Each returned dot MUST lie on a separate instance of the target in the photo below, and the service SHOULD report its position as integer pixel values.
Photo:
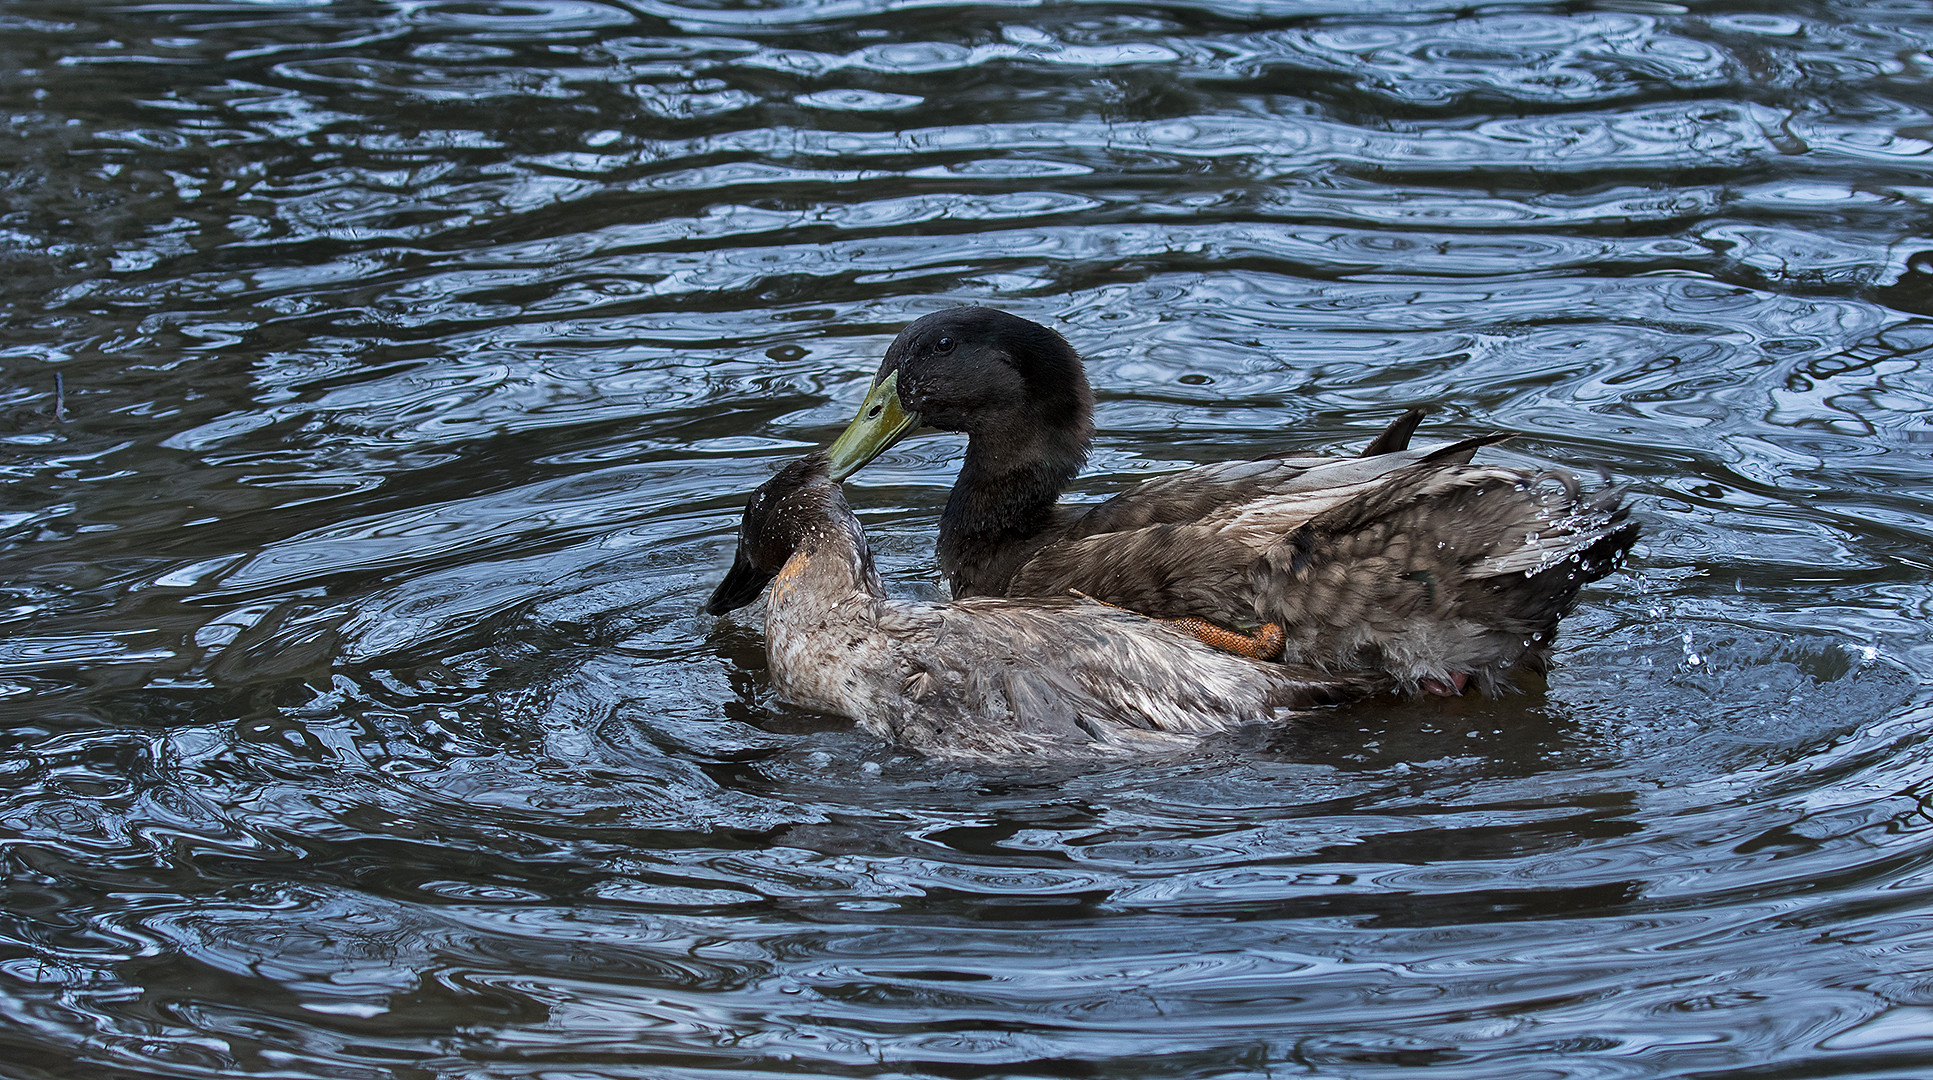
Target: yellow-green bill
(881, 423)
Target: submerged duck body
(1418, 566)
(986, 676)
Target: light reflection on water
(415, 359)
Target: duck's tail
(1395, 438)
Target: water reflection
(356, 717)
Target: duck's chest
(823, 650)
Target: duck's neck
(1004, 500)
(819, 618)
(830, 563)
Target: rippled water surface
(382, 381)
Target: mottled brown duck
(987, 676)
(1417, 565)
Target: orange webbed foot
(1264, 644)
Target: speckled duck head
(800, 511)
(1015, 387)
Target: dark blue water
(382, 381)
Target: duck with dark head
(982, 677)
(1021, 396)
(1413, 565)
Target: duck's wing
(1186, 544)
(1275, 485)
(1444, 573)
(1166, 571)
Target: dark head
(1012, 385)
(783, 514)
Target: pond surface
(382, 382)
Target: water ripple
(1522, 56)
(383, 383)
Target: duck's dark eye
(944, 345)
